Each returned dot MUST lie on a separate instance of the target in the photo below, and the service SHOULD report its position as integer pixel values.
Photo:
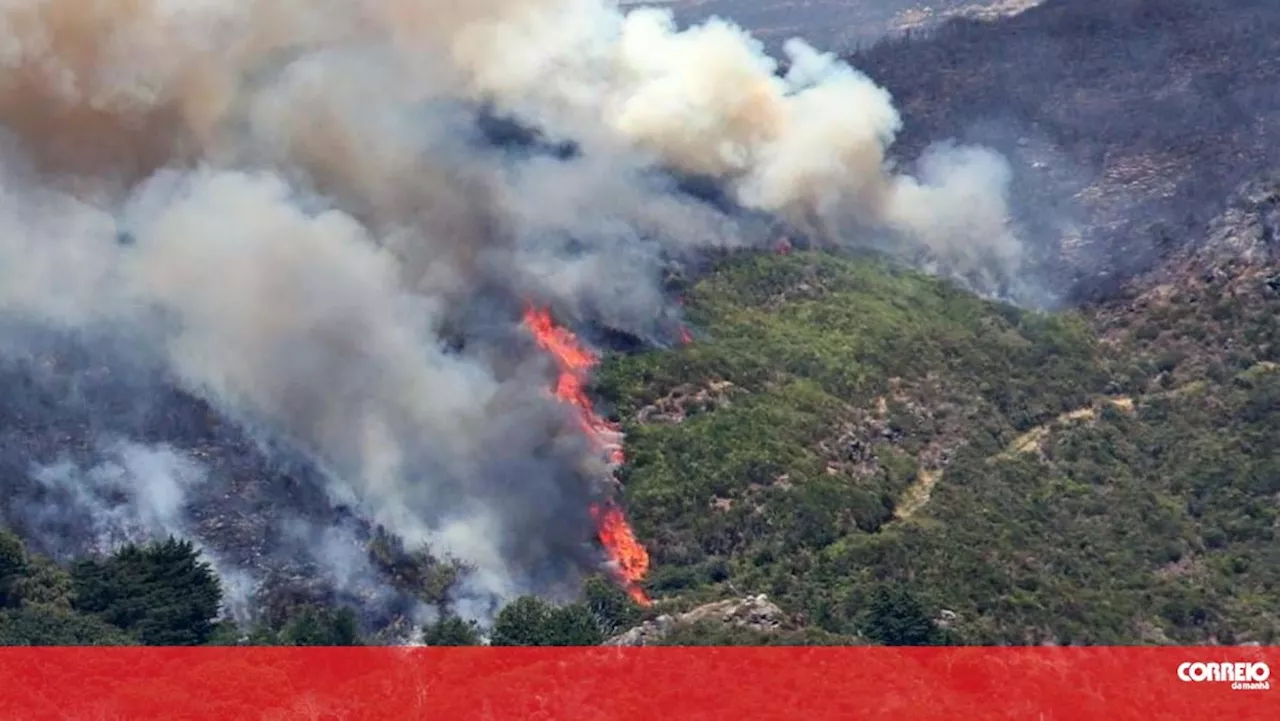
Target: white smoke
(707, 100)
(133, 494)
(277, 196)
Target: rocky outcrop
(1222, 284)
(686, 400)
(1249, 230)
(754, 612)
(1236, 256)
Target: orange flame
(630, 556)
(615, 534)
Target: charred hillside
(99, 451)
(1129, 122)
(839, 24)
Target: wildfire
(685, 336)
(615, 534)
(629, 554)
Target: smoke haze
(290, 208)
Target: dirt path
(1030, 441)
(918, 494)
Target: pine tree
(315, 626)
(13, 567)
(161, 593)
(450, 631)
(899, 619)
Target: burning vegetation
(574, 361)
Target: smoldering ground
(1128, 123)
(285, 210)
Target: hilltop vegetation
(158, 595)
(870, 446)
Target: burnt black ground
(1143, 116)
(828, 23)
(68, 397)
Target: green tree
(573, 625)
(522, 622)
(898, 618)
(46, 584)
(228, 633)
(315, 626)
(530, 621)
(450, 631)
(13, 567)
(614, 610)
(48, 626)
(162, 592)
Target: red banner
(607, 684)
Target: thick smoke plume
(289, 205)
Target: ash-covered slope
(839, 23)
(1128, 122)
(98, 450)
(1224, 285)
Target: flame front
(574, 361)
(630, 556)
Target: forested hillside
(164, 594)
(845, 434)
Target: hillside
(1128, 122)
(842, 431)
(888, 459)
(838, 24)
(372, 417)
